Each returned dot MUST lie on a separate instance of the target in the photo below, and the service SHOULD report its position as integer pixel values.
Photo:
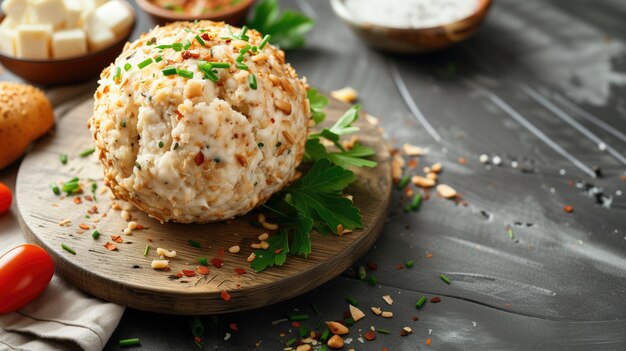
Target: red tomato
(25, 272)
(5, 198)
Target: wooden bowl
(234, 15)
(67, 71)
(413, 40)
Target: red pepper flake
(568, 209)
(295, 324)
(88, 198)
(189, 273)
(217, 262)
(370, 335)
(372, 266)
(179, 275)
(415, 319)
(179, 115)
(400, 266)
(140, 227)
(240, 271)
(199, 159)
(118, 239)
(205, 36)
(83, 226)
(233, 327)
(623, 178)
(203, 270)
(384, 349)
(77, 200)
(220, 252)
(225, 295)
(412, 163)
(186, 55)
(429, 255)
(110, 246)
(429, 341)
(197, 339)
(462, 160)
(277, 251)
(435, 299)
(273, 120)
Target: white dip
(411, 13)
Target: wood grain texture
(124, 276)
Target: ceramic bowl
(235, 15)
(413, 40)
(67, 71)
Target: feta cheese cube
(69, 43)
(74, 13)
(7, 41)
(116, 16)
(52, 12)
(14, 8)
(32, 41)
(99, 37)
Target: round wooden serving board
(124, 276)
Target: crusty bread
(25, 115)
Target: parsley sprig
(316, 201)
(287, 29)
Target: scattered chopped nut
(336, 342)
(387, 314)
(132, 225)
(251, 257)
(347, 95)
(356, 313)
(265, 224)
(437, 167)
(125, 215)
(397, 162)
(411, 150)
(66, 223)
(432, 176)
(388, 300)
(234, 249)
(265, 245)
(423, 182)
(337, 328)
(160, 264)
(376, 311)
(127, 231)
(303, 347)
(446, 191)
(163, 252)
(264, 237)
(405, 331)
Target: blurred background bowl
(413, 40)
(67, 71)
(235, 15)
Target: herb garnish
(287, 29)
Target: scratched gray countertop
(543, 87)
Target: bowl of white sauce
(412, 26)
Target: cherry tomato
(5, 198)
(25, 272)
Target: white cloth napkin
(62, 318)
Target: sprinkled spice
(87, 152)
(445, 279)
(129, 342)
(195, 244)
(68, 249)
(421, 302)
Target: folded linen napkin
(62, 318)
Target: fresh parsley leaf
(318, 102)
(287, 29)
(276, 254)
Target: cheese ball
(195, 122)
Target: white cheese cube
(74, 12)
(52, 12)
(116, 16)
(99, 37)
(14, 8)
(7, 41)
(69, 43)
(32, 41)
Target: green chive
(63, 158)
(245, 50)
(164, 46)
(372, 280)
(445, 279)
(511, 235)
(255, 48)
(220, 64)
(160, 144)
(203, 261)
(123, 124)
(87, 152)
(55, 188)
(317, 312)
(252, 80)
(194, 243)
(200, 40)
(304, 331)
(319, 324)
(127, 67)
(146, 250)
(362, 273)
(210, 75)
(158, 59)
(177, 46)
(349, 321)
(195, 324)
(352, 301)
(145, 63)
(403, 182)
(138, 165)
(299, 317)
(323, 348)
(266, 39)
(71, 186)
(118, 73)
(242, 34)
(68, 249)
(383, 331)
(291, 342)
(242, 66)
(169, 71)
(129, 342)
(95, 234)
(184, 73)
(187, 45)
(421, 302)
(260, 145)
(240, 58)
(325, 334)
(175, 146)
(409, 263)
(415, 203)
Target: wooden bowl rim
(345, 14)
(4, 57)
(158, 11)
